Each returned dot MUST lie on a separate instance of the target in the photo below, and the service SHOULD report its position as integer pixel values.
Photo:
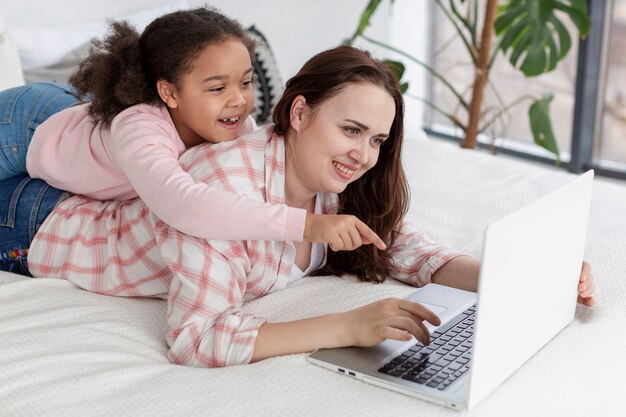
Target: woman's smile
(344, 171)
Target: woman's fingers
(585, 270)
(586, 286)
(587, 301)
(413, 326)
(420, 311)
(393, 333)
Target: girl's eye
(248, 83)
(216, 89)
(377, 142)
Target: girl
(186, 80)
(338, 129)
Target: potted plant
(531, 33)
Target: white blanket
(66, 352)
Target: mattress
(67, 352)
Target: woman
(338, 129)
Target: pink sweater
(138, 156)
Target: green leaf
(578, 15)
(506, 17)
(366, 16)
(534, 34)
(398, 69)
(541, 125)
(535, 61)
(515, 35)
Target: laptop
(526, 295)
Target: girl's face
(211, 103)
(340, 141)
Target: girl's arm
(148, 156)
(144, 148)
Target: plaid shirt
(120, 248)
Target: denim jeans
(22, 109)
(24, 205)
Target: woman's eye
(353, 131)
(377, 142)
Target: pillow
(41, 47)
(268, 85)
(10, 68)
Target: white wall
(296, 29)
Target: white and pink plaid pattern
(121, 248)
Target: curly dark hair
(122, 69)
(380, 198)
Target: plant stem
(470, 48)
(504, 110)
(427, 67)
(455, 120)
(481, 76)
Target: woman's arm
(391, 318)
(460, 272)
(463, 272)
(209, 328)
(416, 258)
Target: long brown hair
(380, 197)
(123, 68)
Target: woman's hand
(391, 318)
(341, 231)
(586, 286)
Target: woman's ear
(297, 113)
(167, 92)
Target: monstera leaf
(535, 34)
(541, 125)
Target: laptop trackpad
(438, 310)
(445, 302)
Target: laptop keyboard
(441, 363)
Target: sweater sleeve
(207, 325)
(145, 150)
(416, 257)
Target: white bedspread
(66, 352)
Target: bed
(67, 352)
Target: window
(589, 108)
(507, 85)
(610, 149)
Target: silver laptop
(527, 294)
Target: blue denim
(22, 109)
(24, 205)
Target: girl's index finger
(369, 236)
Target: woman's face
(341, 140)
(214, 99)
